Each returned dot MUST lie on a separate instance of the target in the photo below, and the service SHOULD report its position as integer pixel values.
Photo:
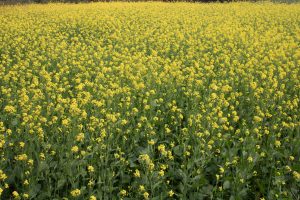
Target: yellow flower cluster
(150, 101)
(75, 193)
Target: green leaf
(226, 185)
(177, 150)
(43, 166)
(61, 183)
(34, 190)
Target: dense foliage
(91, 1)
(150, 101)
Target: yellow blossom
(141, 188)
(123, 193)
(80, 137)
(171, 193)
(277, 143)
(75, 149)
(15, 194)
(90, 168)
(92, 197)
(75, 193)
(21, 157)
(3, 176)
(151, 142)
(137, 173)
(146, 195)
(221, 169)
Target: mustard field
(150, 101)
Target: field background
(7, 2)
(150, 101)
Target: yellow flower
(137, 173)
(296, 175)
(93, 197)
(187, 153)
(135, 110)
(162, 149)
(236, 118)
(250, 159)
(277, 143)
(26, 196)
(91, 183)
(26, 182)
(10, 109)
(80, 137)
(288, 168)
(75, 193)
(171, 193)
(151, 142)
(145, 157)
(168, 131)
(161, 173)
(30, 162)
(75, 149)
(141, 188)
(257, 119)
(221, 169)
(21, 157)
(3, 176)
(1, 190)
(15, 194)
(146, 195)
(253, 85)
(123, 193)
(22, 144)
(91, 169)
(65, 122)
(42, 156)
(124, 122)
